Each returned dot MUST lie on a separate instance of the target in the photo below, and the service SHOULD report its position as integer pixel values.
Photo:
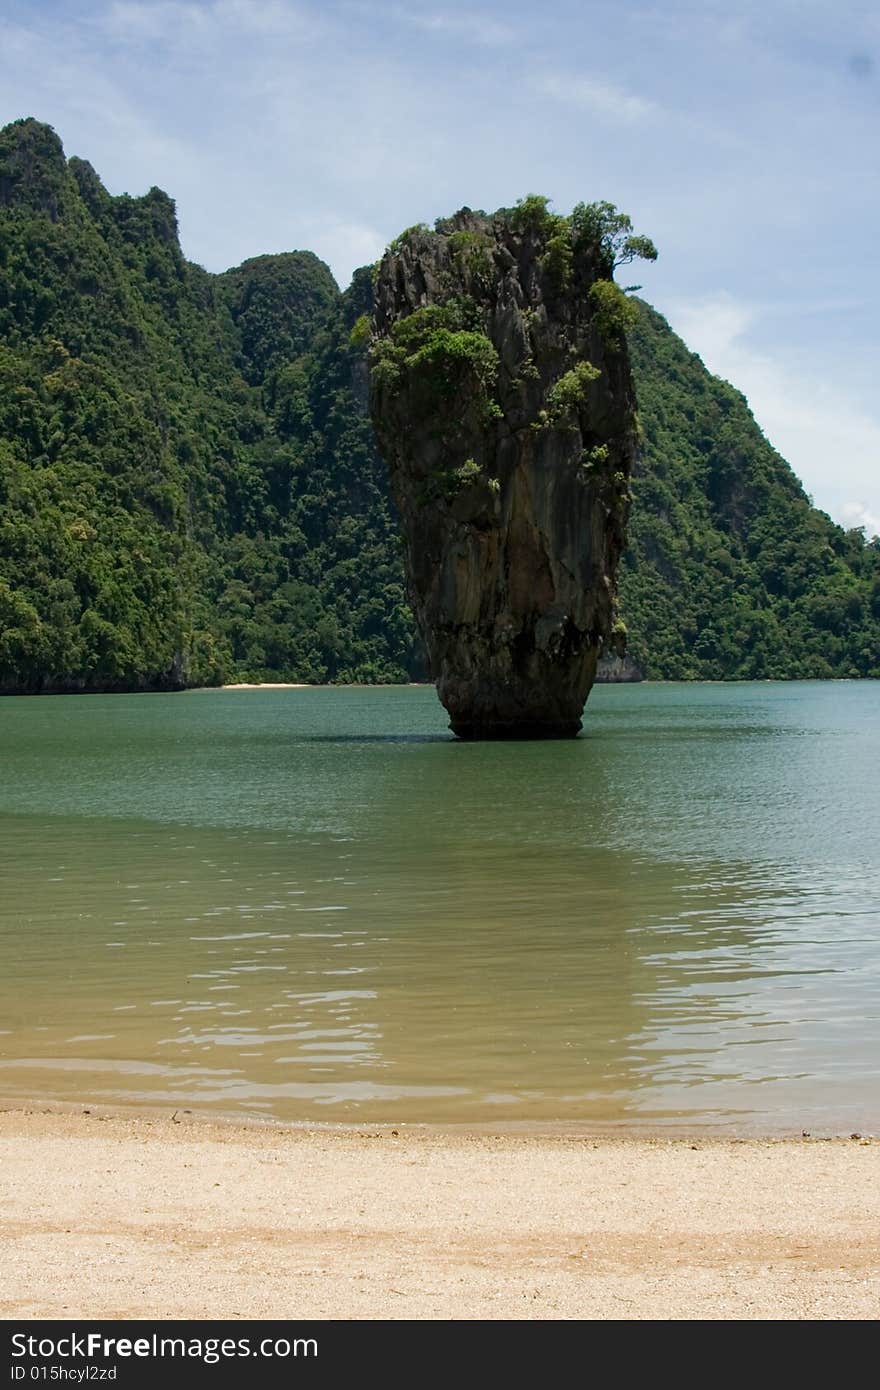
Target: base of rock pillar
(473, 731)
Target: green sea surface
(316, 905)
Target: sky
(741, 136)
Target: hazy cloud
(594, 94)
(170, 20)
(348, 243)
(857, 514)
(472, 27)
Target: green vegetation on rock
(434, 357)
(567, 395)
(615, 314)
(605, 226)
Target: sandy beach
(305, 685)
(135, 1216)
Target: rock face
(501, 397)
(618, 670)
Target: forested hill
(189, 490)
(730, 572)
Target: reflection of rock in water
(503, 403)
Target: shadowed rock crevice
(502, 400)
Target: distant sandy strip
(304, 685)
(147, 1217)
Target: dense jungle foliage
(189, 490)
(730, 572)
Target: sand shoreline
(614, 1128)
(145, 1216)
(324, 685)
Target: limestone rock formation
(502, 400)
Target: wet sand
(139, 1216)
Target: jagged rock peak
(37, 179)
(33, 170)
(91, 189)
(503, 404)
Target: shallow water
(316, 904)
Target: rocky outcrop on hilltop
(503, 404)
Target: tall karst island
(503, 403)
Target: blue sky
(742, 136)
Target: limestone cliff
(503, 404)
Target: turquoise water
(316, 904)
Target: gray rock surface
(617, 670)
(503, 405)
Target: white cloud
(857, 514)
(169, 21)
(594, 94)
(135, 20)
(474, 28)
(345, 246)
(75, 94)
(272, 18)
(829, 437)
(712, 326)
